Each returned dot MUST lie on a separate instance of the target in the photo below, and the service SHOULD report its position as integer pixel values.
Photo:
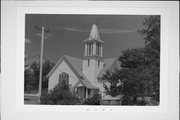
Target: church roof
(94, 35)
(76, 65)
(108, 63)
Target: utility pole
(42, 28)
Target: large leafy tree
(138, 77)
(32, 76)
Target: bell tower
(93, 55)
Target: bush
(60, 95)
(95, 100)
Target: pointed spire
(94, 34)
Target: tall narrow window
(96, 49)
(98, 63)
(86, 50)
(100, 50)
(89, 48)
(88, 62)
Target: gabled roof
(76, 66)
(86, 82)
(108, 64)
(76, 63)
(73, 62)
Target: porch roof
(85, 82)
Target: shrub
(60, 95)
(95, 100)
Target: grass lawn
(30, 99)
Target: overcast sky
(119, 32)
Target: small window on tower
(88, 62)
(98, 63)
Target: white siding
(92, 70)
(89, 71)
(99, 68)
(54, 78)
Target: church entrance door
(81, 91)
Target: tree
(94, 100)
(29, 80)
(139, 76)
(152, 46)
(151, 33)
(32, 76)
(62, 94)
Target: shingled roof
(108, 63)
(76, 65)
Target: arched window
(64, 77)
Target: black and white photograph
(89, 60)
(92, 59)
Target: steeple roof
(94, 34)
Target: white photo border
(103, 8)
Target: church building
(84, 74)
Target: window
(64, 77)
(88, 62)
(98, 49)
(100, 46)
(89, 48)
(98, 63)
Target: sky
(67, 33)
